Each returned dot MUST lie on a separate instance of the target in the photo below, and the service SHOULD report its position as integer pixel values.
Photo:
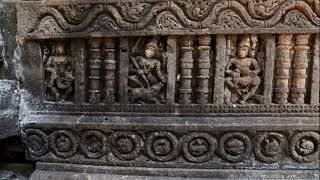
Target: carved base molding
(53, 171)
(253, 143)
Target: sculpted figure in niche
(242, 80)
(146, 75)
(60, 69)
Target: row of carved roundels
(164, 146)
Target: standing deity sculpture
(146, 75)
(242, 73)
(60, 70)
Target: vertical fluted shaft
(95, 71)
(109, 70)
(203, 69)
(299, 69)
(283, 63)
(186, 66)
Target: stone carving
(186, 66)
(299, 69)
(235, 147)
(193, 84)
(163, 146)
(64, 144)
(93, 144)
(110, 66)
(292, 64)
(305, 146)
(202, 14)
(262, 9)
(242, 73)
(203, 66)
(59, 69)
(147, 76)
(283, 64)
(95, 64)
(37, 140)
(126, 145)
(198, 147)
(270, 147)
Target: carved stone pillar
(109, 70)
(283, 68)
(203, 65)
(186, 66)
(95, 71)
(299, 69)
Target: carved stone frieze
(140, 147)
(182, 85)
(178, 17)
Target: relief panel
(147, 77)
(59, 68)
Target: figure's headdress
(245, 41)
(59, 46)
(153, 43)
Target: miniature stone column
(299, 69)
(186, 66)
(203, 65)
(282, 73)
(109, 70)
(95, 71)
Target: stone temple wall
(179, 88)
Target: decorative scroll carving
(147, 75)
(210, 16)
(163, 146)
(59, 70)
(304, 146)
(93, 144)
(262, 9)
(270, 147)
(126, 145)
(242, 73)
(64, 144)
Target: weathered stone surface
(8, 31)
(224, 89)
(110, 173)
(9, 106)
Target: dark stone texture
(157, 89)
(70, 171)
(9, 106)
(8, 42)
